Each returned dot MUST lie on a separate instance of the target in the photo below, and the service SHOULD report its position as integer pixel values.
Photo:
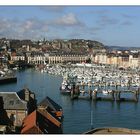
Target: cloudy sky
(110, 25)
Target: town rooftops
(10, 100)
(22, 93)
(40, 123)
(48, 102)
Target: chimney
(27, 95)
(32, 95)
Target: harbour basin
(78, 114)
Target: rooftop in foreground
(113, 130)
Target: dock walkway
(111, 95)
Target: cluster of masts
(96, 75)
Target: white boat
(105, 92)
(65, 87)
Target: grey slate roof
(12, 101)
(49, 102)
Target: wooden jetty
(110, 95)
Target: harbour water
(79, 115)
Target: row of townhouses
(121, 59)
(118, 59)
(51, 58)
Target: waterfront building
(109, 59)
(123, 59)
(134, 60)
(18, 56)
(67, 57)
(113, 59)
(36, 58)
(100, 58)
(29, 57)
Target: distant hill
(121, 48)
(56, 45)
(73, 45)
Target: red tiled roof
(38, 121)
(29, 121)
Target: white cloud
(28, 29)
(35, 28)
(69, 19)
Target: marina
(97, 82)
(69, 69)
(78, 111)
(96, 75)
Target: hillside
(73, 45)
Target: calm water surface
(77, 113)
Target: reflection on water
(77, 113)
